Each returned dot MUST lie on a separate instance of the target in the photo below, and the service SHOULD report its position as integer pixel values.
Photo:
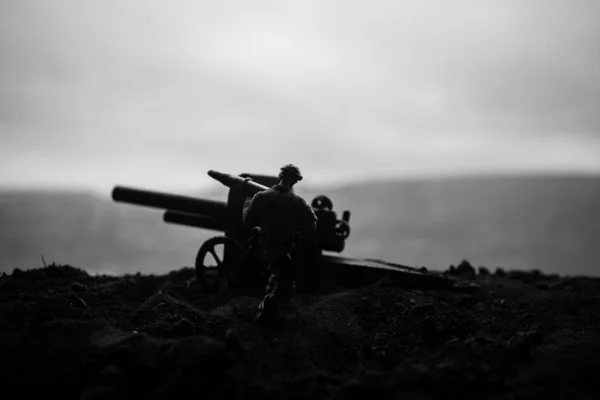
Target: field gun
(235, 244)
(226, 217)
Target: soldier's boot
(276, 301)
(267, 310)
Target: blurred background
(451, 130)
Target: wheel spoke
(216, 257)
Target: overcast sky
(154, 93)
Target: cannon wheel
(342, 228)
(212, 277)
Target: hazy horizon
(209, 186)
(518, 223)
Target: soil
(522, 335)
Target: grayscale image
(273, 199)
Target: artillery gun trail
(234, 262)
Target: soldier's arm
(251, 210)
(308, 218)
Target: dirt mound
(73, 335)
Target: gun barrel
(248, 186)
(195, 220)
(186, 204)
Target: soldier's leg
(280, 287)
(271, 256)
(286, 288)
(268, 305)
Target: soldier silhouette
(278, 215)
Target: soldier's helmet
(291, 170)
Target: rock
(483, 340)
(542, 286)
(411, 376)
(193, 285)
(361, 389)
(527, 316)
(515, 275)
(26, 297)
(112, 372)
(365, 352)
(198, 351)
(98, 393)
(77, 301)
(299, 387)
(386, 281)
(138, 350)
(422, 309)
(77, 287)
(535, 337)
(537, 274)
(465, 270)
(182, 327)
(465, 300)
(465, 287)
(500, 303)
(519, 346)
(429, 326)
(233, 342)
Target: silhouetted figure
(280, 216)
(327, 218)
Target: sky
(155, 93)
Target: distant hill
(549, 223)
(95, 233)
